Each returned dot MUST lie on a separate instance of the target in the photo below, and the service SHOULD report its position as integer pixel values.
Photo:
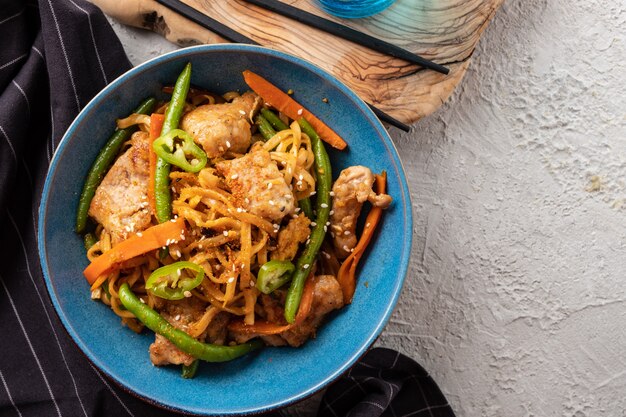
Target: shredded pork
(258, 186)
(220, 128)
(351, 190)
(120, 203)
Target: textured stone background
(515, 299)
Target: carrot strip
(306, 302)
(347, 273)
(276, 98)
(150, 239)
(156, 124)
(266, 328)
(260, 328)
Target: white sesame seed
(234, 176)
(284, 162)
(288, 196)
(178, 272)
(313, 193)
(242, 112)
(332, 193)
(252, 283)
(221, 149)
(299, 112)
(326, 255)
(305, 266)
(142, 301)
(231, 279)
(178, 253)
(247, 201)
(347, 232)
(297, 210)
(301, 177)
(346, 248)
(276, 226)
(269, 185)
(225, 233)
(332, 212)
(227, 144)
(177, 317)
(367, 224)
(271, 202)
(239, 209)
(187, 294)
(325, 228)
(324, 205)
(327, 223)
(173, 221)
(139, 234)
(313, 224)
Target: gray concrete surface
(515, 299)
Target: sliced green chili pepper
(306, 260)
(178, 148)
(205, 351)
(265, 127)
(162, 196)
(274, 274)
(190, 371)
(274, 120)
(90, 240)
(102, 163)
(171, 283)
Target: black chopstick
(346, 32)
(234, 36)
(207, 22)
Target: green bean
(274, 120)
(307, 208)
(189, 371)
(307, 258)
(205, 351)
(162, 195)
(102, 163)
(90, 240)
(265, 127)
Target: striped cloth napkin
(55, 56)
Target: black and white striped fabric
(55, 55)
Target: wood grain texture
(444, 31)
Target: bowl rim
(403, 260)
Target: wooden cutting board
(445, 31)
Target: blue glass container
(351, 9)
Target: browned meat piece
(120, 203)
(220, 128)
(163, 352)
(296, 232)
(217, 331)
(258, 186)
(327, 296)
(179, 314)
(351, 190)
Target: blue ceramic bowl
(272, 377)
